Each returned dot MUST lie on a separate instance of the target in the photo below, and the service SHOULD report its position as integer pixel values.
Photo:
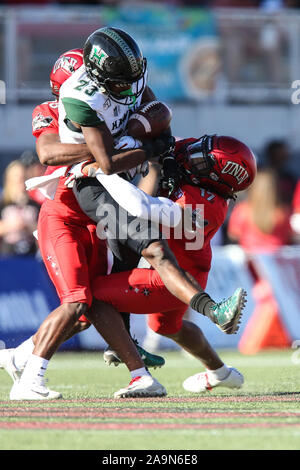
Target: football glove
(170, 173)
(141, 169)
(74, 173)
(127, 142)
(159, 147)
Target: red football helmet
(222, 163)
(63, 68)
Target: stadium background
(222, 68)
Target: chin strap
(170, 173)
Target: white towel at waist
(47, 184)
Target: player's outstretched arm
(139, 204)
(100, 142)
(52, 152)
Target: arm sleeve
(139, 204)
(80, 112)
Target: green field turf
(265, 414)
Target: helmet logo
(66, 63)
(236, 170)
(98, 56)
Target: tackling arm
(139, 204)
(100, 141)
(110, 160)
(54, 153)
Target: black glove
(159, 147)
(170, 173)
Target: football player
(210, 171)
(80, 121)
(95, 105)
(73, 255)
(45, 129)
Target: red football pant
(72, 253)
(142, 291)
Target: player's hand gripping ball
(149, 120)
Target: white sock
(35, 369)
(139, 372)
(22, 353)
(218, 374)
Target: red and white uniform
(70, 248)
(45, 121)
(142, 290)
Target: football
(149, 120)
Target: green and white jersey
(81, 101)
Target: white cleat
(145, 386)
(33, 391)
(201, 383)
(7, 363)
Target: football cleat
(33, 391)
(202, 383)
(227, 314)
(7, 363)
(142, 387)
(150, 360)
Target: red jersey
(45, 121)
(214, 212)
(213, 209)
(70, 248)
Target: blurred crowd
(265, 4)
(253, 52)
(19, 209)
(261, 220)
